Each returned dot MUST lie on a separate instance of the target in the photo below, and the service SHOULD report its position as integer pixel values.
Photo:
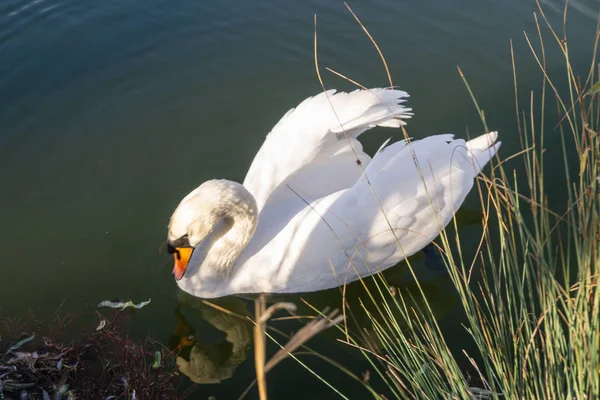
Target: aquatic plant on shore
(48, 361)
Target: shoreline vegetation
(530, 294)
(69, 357)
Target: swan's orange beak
(182, 258)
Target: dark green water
(112, 111)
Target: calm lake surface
(112, 111)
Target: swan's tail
(482, 149)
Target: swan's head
(209, 211)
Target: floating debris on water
(20, 343)
(101, 325)
(156, 363)
(123, 305)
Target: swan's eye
(173, 245)
(170, 248)
(173, 250)
(180, 245)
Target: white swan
(305, 218)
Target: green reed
(533, 312)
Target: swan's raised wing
(312, 137)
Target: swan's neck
(238, 231)
(235, 217)
(218, 220)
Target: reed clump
(530, 294)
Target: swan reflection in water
(207, 361)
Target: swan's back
(313, 251)
(419, 198)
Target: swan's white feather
(306, 141)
